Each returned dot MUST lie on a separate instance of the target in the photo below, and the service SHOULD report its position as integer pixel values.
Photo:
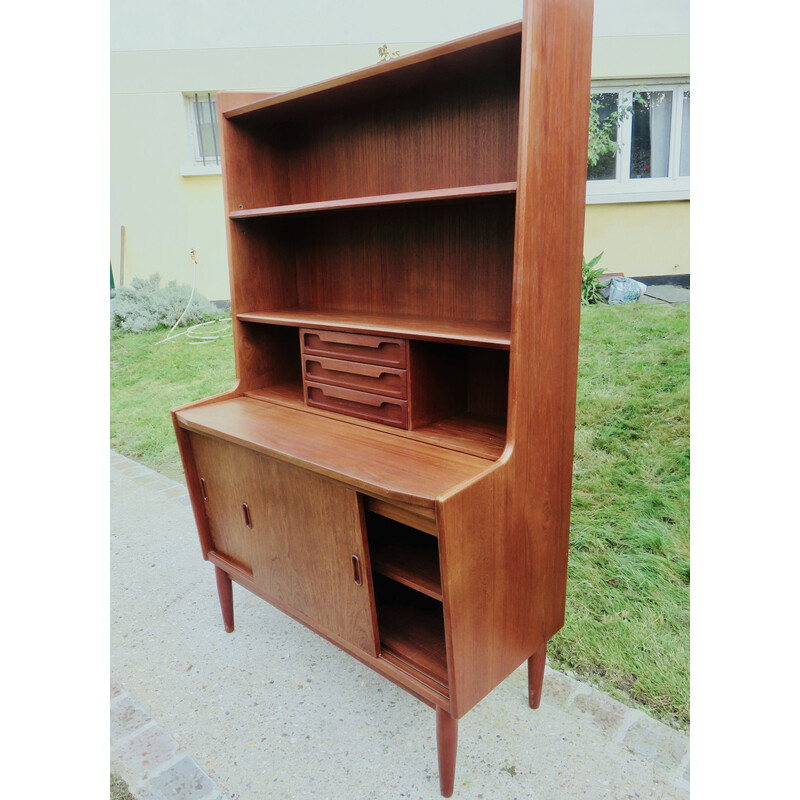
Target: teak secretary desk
(393, 466)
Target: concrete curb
(155, 767)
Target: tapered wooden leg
(536, 676)
(447, 744)
(225, 590)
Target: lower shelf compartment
(411, 628)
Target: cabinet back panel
(450, 261)
(460, 138)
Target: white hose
(189, 332)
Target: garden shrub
(145, 305)
(590, 282)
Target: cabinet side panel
(504, 539)
(554, 118)
(193, 485)
(478, 576)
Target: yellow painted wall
(620, 57)
(164, 214)
(639, 238)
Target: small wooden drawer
(354, 347)
(373, 407)
(354, 375)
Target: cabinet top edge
(452, 47)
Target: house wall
(157, 54)
(643, 238)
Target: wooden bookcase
(393, 465)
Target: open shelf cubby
(441, 271)
(411, 629)
(448, 119)
(404, 554)
(457, 399)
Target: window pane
(206, 123)
(650, 127)
(684, 168)
(604, 131)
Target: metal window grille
(205, 119)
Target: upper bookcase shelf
(430, 196)
(467, 54)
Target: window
(652, 161)
(203, 145)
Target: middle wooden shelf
(449, 194)
(486, 333)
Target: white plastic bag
(623, 290)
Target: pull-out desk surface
(371, 461)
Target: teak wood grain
(220, 469)
(435, 201)
(366, 459)
(472, 434)
(307, 531)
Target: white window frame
(192, 161)
(624, 189)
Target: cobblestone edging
(122, 465)
(641, 734)
(149, 759)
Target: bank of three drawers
(360, 375)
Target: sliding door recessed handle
(203, 487)
(246, 511)
(356, 570)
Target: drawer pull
(361, 347)
(356, 570)
(357, 339)
(372, 407)
(247, 520)
(363, 377)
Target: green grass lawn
(119, 789)
(627, 626)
